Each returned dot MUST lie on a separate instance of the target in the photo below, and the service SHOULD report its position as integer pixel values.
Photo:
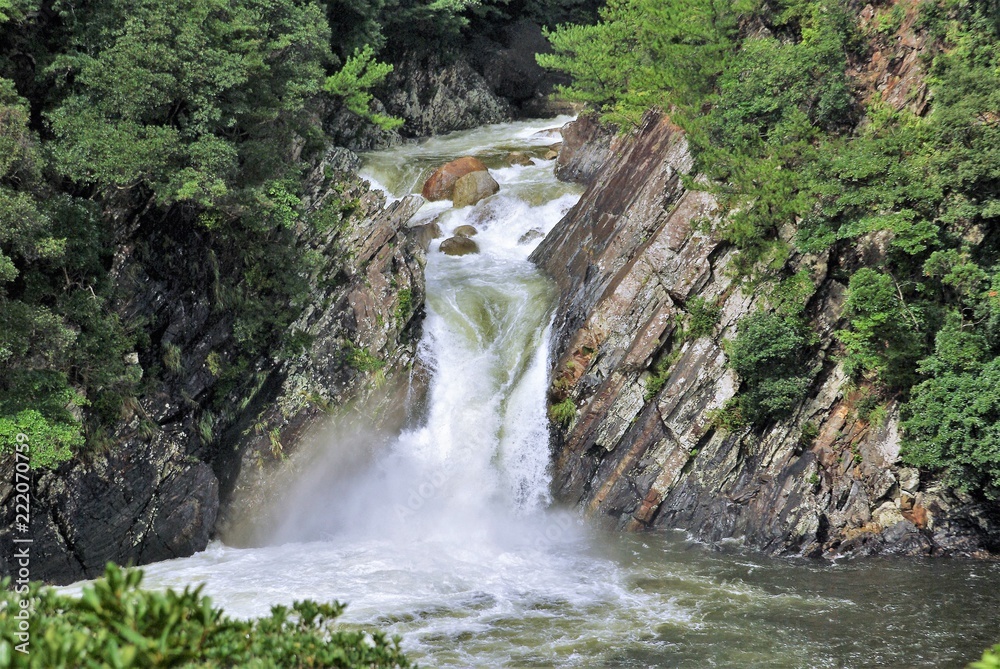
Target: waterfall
(445, 534)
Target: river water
(446, 537)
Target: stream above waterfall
(448, 536)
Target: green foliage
(50, 442)
(618, 65)
(883, 341)
(563, 412)
(352, 83)
(401, 26)
(114, 623)
(362, 359)
(952, 421)
(404, 308)
(810, 430)
(769, 354)
(989, 660)
(703, 317)
(181, 98)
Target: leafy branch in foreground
(113, 623)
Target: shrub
(50, 442)
(704, 316)
(952, 421)
(114, 623)
(990, 659)
(769, 355)
(883, 338)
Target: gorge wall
(643, 448)
(158, 492)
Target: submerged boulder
(466, 231)
(519, 158)
(473, 187)
(441, 184)
(530, 236)
(459, 246)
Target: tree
(769, 355)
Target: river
(448, 537)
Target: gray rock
(434, 98)
(474, 187)
(425, 234)
(466, 231)
(909, 479)
(530, 236)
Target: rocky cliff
(644, 448)
(174, 461)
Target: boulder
(473, 187)
(530, 236)
(553, 152)
(519, 158)
(441, 184)
(466, 231)
(459, 246)
(424, 234)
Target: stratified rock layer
(647, 454)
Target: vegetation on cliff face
(114, 623)
(804, 159)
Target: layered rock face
(645, 452)
(158, 491)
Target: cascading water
(445, 536)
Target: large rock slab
(441, 184)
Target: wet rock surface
(473, 187)
(441, 184)
(459, 246)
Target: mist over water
(445, 535)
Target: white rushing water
(445, 536)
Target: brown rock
(459, 246)
(473, 187)
(440, 184)
(466, 231)
(553, 151)
(519, 158)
